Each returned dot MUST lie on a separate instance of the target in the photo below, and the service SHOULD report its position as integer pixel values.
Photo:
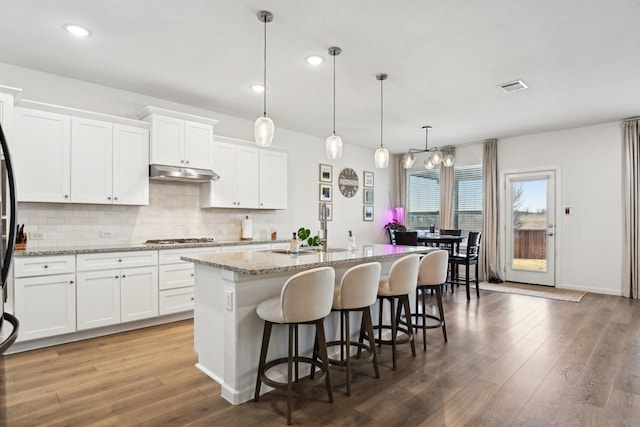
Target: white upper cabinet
(130, 165)
(42, 156)
(91, 161)
(179, 139)
(273, 180)
(8, 97)
(250, 178)
(86, 157)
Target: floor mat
(533, 290)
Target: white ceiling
(445, 60)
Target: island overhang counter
(228, 287)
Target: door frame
(502, 225)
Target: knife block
(21, 243)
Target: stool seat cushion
(384, 289)
(402, 278)
(358, 287)
(271, 310)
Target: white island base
(227, 330)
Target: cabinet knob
(117, 277)
(71, 282)
(181, 161)
(46, 266)
(66, 196)
(119, 260)
(109, 198)
(192, 274)
(187, 162)
(115, 198)
(123, 276)
(192, 298)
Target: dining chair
(467, 259)
(407, 238)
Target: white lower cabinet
(116, 296)
(113, 295)
(175, 279)
(45, 296)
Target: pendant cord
(381, 111)
(265, 67)
(334, 94)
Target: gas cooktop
(176, 241)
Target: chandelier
(435, 155)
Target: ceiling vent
(513, 86)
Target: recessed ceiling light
(513, 86)
(314, 60)
(257, 88)
(77, 30)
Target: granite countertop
(265, 262)
(124, 247)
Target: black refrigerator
(8, 323)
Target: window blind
(468, 198)
(423, 198)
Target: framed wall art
(367, 196)
(326, 173)
(367, 213)
(326, 192)
(367, 181)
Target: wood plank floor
(511, 360)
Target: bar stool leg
(380, 321)
(263, 357)
(348, 350)
(424, 319)
(290, 373)
(394, 326)
(466, 281)
(322, 343)
(366, 317)
(477, 281)
(404, 299)
(441, 311)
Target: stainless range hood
(182, 174)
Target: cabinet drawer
(176, 275)
(41, 266)
(107, 260)
(172, 256)
(176, 300)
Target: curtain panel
(447, 182)
(400, 197)
(631, 174)
(489, 245)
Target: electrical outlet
(106, 233)
(228, 300)
(37, 236)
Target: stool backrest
(407, 238)
(308, 296)
(403, 275)
(473, 244)
(359, 285)
(433, 268)
(450, 232)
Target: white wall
(589, 161)
(173, 210)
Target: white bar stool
(432, 275)
(357, 292)
(305, 298)
(396, 287)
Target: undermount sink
(306, 251)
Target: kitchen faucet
(323, 226)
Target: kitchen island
(228, 287)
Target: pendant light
(435, 155)
(334, 142)
(263, 128)
(382, 154)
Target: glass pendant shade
(448, 160)
(407, 160)
(263, 130)
(382, 158)
(436, 157)
(428, 164)
(334, 147)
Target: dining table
(437, 239)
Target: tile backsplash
(173, 212)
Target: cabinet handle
(71, 282)
(115, 198)
(66, 196)
(192, 298)
(117, 277)
(109, 198)
(123, 276)
(119, 260)
(187, 162)
(192, 274)
(46, 266)
(181, 161)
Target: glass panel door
(530, 228)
